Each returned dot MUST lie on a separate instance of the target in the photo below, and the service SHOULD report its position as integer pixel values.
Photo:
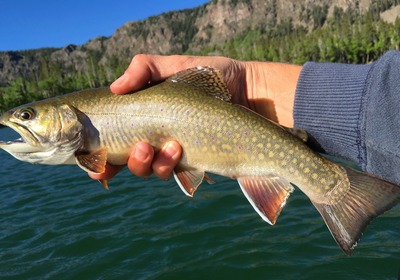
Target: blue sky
(30, 24)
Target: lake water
(56, 223)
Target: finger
(110, 172)
(139, 162)
(142, 70)
(166, 159)
(135, 77)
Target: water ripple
(56, 223)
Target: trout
(92, 127)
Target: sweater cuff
(328, 103)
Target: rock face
(172, 33)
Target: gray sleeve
(353, 111)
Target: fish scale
(193, 107)
(171, 100)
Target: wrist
(271, 89)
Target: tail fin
(367, 198)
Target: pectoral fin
(209, 179)
(267, 195)
(104, 183)
(92, 161)
(188, 179)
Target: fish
(92, 127)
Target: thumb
(148, 68)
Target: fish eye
(26, 114)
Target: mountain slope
(173, 33)
(279, 30)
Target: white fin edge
(181, 186)
(265, 218)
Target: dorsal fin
(204, 78)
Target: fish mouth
(27, 143)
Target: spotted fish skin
(218, 137)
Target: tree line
(54, 79)
(344, 38)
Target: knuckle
(139, 58)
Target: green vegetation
(54, 79)
(345, 37)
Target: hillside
(246, 29)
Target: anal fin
(188, 179)
(267, 195)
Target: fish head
(50, 132)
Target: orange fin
(92, 162)
(104, 183)
(209, 179)
(267, 195)
(188, 179)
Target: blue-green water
(56, 223)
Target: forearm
(328, 103)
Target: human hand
(267, 88)
(143, 161)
